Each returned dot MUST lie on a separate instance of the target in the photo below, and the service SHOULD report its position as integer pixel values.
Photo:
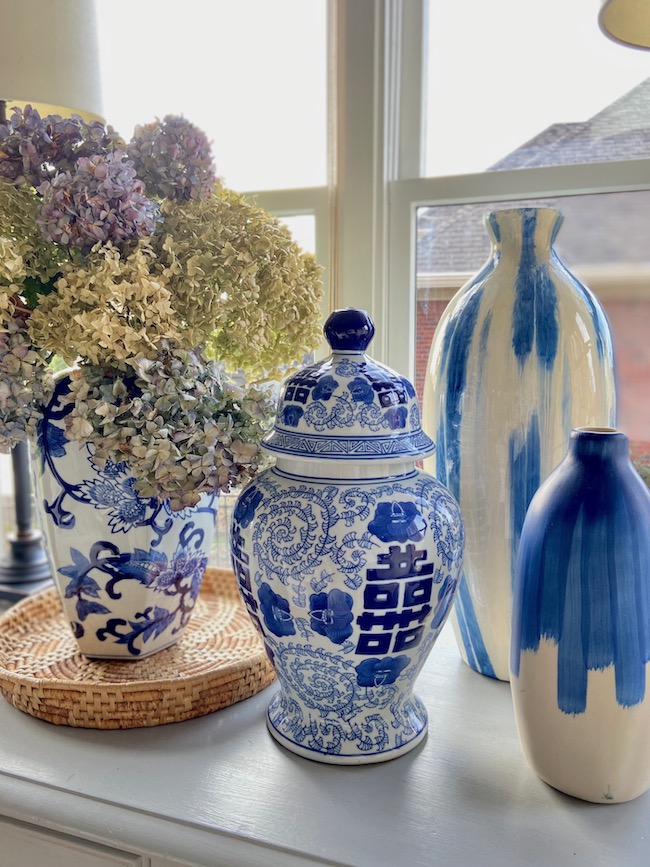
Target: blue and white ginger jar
(127, 568)
(522, 354)
(347, 557)
(581, 624)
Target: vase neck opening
(599, 443)
(524, 230)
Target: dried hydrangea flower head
(34, 149)
(133, 262)
(101, 201)
(173, 158)
(25, 380)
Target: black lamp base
(26, 569)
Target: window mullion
(405, 40)
(360, 186)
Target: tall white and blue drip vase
(581, 624)
(522, 354)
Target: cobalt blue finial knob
(349, 329)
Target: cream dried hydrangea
(112, 310)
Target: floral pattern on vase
(128, 569)
(348, 605)
(522, 354)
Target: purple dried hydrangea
(174, 159)
(101, 200)
(33, 149)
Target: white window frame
(378, 184)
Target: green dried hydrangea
(22, 239)
(240, 282)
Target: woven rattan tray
(218, 661)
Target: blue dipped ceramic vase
(581, 624)
(128, 569)
(347, 557)
(522, 354)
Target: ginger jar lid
(348, 406)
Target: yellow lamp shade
(626, 21)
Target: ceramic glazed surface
(349, 407)
(581, 624)
(348, 570)
(128, 569)
(522, 354)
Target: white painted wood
(220, 791)
(363, 161)
(22, 844)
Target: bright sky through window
(500, 72)
(252, 74)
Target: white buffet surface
(218, 790)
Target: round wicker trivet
(218, 661)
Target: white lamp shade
(626, 21)
(50, 56)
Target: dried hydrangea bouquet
(174, 302)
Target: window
(528, 85)
(542, 104)
(392, 188)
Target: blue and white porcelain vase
(348, 557)
(127, 568)
(581, 624)
(522, 354)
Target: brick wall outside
(428, 315)
(630, 323)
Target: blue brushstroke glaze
(441, 466)
(457, 343)
(599, 320)
(456, 349)
(583, 571)
(477, 655)
(523, 312)
(524, 464)
(534, 315)
(546, 317)
(493, 224)
(485, 333)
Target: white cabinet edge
(167, 842)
